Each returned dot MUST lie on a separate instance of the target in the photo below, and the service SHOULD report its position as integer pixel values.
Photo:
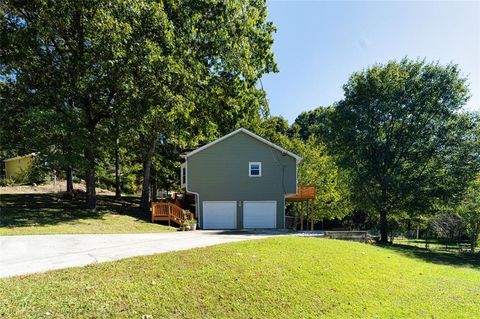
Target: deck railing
(304, 193)
(169, 212)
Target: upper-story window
(183, 174)
(255, 169)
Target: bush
(7, 182)
(129, 181)
(449, 226)
(130, 184)
(36, 173)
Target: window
(183, 175)
(255, 169)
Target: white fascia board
(261, 139)
(19, 157)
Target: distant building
(16, 165)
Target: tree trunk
(309, 212)
(295, 220)
(427, 244)
(383, 212)
(90, 179)
(301, 217)
(473, 243)
(145, 199)
(118, 190)
(383, 227)
(69, 175)
(147, 165)
(154, 184)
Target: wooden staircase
(169, 212)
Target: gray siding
(221, 173)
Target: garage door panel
(219, 215)
(260, 214)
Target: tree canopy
(102, 88)
(185, 71)
(470, 211)
(399, 134)
(332, 200)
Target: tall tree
(202, 77)
(315, 123)
(274, 129)
(30, 125)
(318, 167)
(332, 200)
(74, 56)
(397, 132)
(184, 70)
(470, 212)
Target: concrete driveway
(21, 255)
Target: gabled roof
(255, 136)
(19, 157)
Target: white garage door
(260, 214)
(219, 215)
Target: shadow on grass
(252, 232)
(19, 210)
(437, 257)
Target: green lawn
(29, 214)
(283, 277)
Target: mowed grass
(38, 214)
(283, 277)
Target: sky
(319, 44)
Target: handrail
(304, 193)
(170, 211)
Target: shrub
(7, 182)
(449, 226)
(36, 173)
(130, 184)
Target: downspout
(197, 195)
(283, 166)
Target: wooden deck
(304, 193)
(170, 212)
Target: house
(240, 181)
(16, 165)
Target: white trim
(250, 169)
(197, 195)
(261, 139)
(19, 157)
(183, 175)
